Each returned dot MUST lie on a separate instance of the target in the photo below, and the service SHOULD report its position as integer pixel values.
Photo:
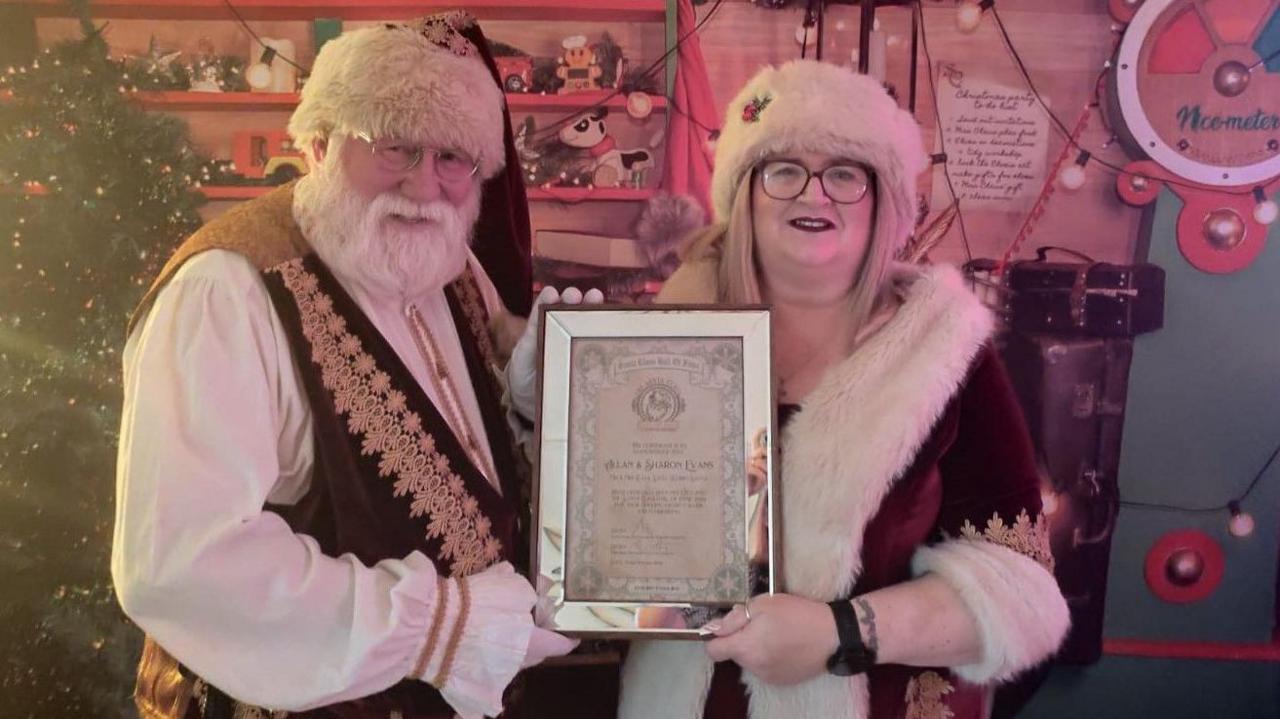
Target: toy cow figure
(610, 166)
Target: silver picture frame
(655, 485)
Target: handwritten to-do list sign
(996, 140)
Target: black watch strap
(852, 656)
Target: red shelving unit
(619, 10)
(284, 101)
(590, 194)
(234, 192)
(555, 194)
(248, 192)
(306, 10)
(184, 100)
(577, 101)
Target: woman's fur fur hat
(422, 81)
(819, 107)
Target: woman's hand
(787, 639)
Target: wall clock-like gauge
(1198, 84)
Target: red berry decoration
(751, 112)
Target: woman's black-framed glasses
(845, 183)
(400, 156)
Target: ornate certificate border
(700, 376)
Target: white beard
(359, 241)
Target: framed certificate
(655, 487)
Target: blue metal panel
(1138, 688)
(1203, 416)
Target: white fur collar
(884, 399)
(852, 438)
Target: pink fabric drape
(687, 169)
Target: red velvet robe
(910, 456)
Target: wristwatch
(852, 656)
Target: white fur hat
(819, 107)
(422, 81)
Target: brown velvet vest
(389, 476)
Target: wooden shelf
(213, 192)
(570, 195)
(529, 102)
(556, 194)
(592, 10)
(235, 192)
(574, 195)
(186, 100)
(174, 100)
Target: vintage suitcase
(1085, 298)
(1073, 390)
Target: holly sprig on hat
(751, 111)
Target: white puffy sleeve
(215, 424)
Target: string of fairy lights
(968, 18)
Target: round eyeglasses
(786, 180)
(400, 156)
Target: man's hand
(787, 640)
(522, 369)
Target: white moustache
(388, 244)
(390, 204)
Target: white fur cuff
(1016, 602)
(665, 680)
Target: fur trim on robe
(1019, 609)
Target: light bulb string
(918, 12)
(1227, 506)
(1046, 191)
(254, 35)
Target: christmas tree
(94, 195)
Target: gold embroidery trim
(239, 709)
(925, 693)
(379, 414)
(444, 30)
(477, 317)
(1025, 536)
(451, 651)
(433, 635)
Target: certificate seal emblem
(658, 401)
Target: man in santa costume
(318, 499)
